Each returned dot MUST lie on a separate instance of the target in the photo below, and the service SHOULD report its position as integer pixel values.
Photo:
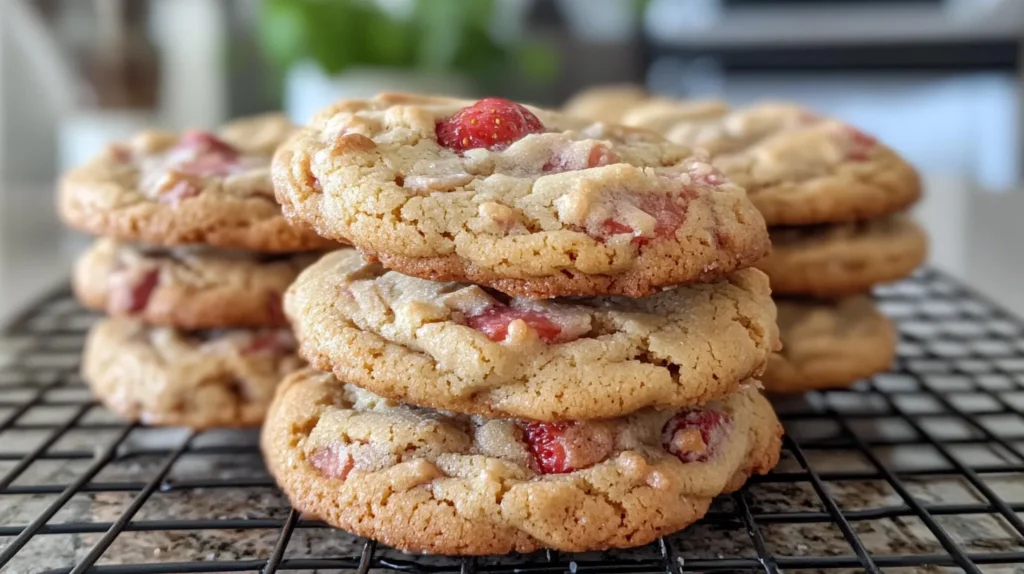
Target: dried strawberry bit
(120, 152)
(333, 462)
(491, 123)
(493, 321)
(668, 211)
(210, 166)
(275, 309)
(696, 435)
(561, 447)
(860, 144)
(207, 143)
(208, 155)
(271, 342)
(708, 175)
(599, 155)
(133, 289)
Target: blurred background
(939, 80)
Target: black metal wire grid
(921, 469)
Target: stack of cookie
(191, 268)
(548, 337)
(834, 198)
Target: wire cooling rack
(920, 469)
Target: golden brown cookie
(187, 287)
(829, 344)
(165, 188)
(528, 202)
(428, 481)
(199, 379)
(659, 113)
(456, 347)
(800, 168)
(843, 259)
(606, 103)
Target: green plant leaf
(440, 25)
(537, 60)
(387, 42)
(282, 32)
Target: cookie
(843, 259)
(829, 344)
(607, 103)
(528, 202)
(165, 188)
(187, 287)
(199, 379)
(460, 348)
(659, 113)
(800, 168)
(427, 481)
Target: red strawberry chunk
(669, 211)
(564, 160)
(206, 142)
(275, 309)
(494, 321)
(133, 290)
(600, 155)
(860, 144)
(560, 447)
(491, 123)
(269, 341)
(333, 462)
(695, 435)
(207, 155)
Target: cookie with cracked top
(801, 168)
(189, 287)
(460, 348)
(525, 201)
(199, 379)
(658, 113)
(845, 258)
(606, 103)
(829, 344)
(429, 481)
(164, 188)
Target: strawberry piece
(546, 442)
(207, 143)
(275, 309)
(133, 290)
(491, 123)
(669, 211)
(269, 341)
(121, 153)
(560, 447)
(695, 435)
(598, 156)
(334, 462)
(207, 155)
(860, 143)
(494, 321)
